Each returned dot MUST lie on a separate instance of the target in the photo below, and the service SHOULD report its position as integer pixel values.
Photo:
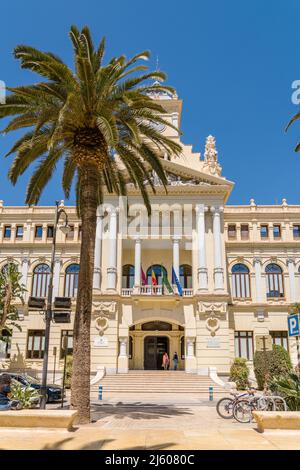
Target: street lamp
(65, 229)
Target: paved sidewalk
(153, 427)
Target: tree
(100, 120)
(11, 289)
(270, 364)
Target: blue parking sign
(293, 325)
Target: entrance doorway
(154, 348)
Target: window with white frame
(240, 281)
(280, 338)
(243, 342)
(71, 280)
(275, 287)
(41, 277)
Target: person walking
(165, 361)
(175, 360)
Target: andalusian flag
(166, 283)
(153, 278)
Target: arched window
(185, 274)
(128, 276)
(240, 281)
(5, 268)
(41, 277)
(159, 271)
(156, 325)
(275, 286)
(71, 280)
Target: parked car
(54, 392)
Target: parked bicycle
(225, 405)
(243, 409)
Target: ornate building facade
(198, 277)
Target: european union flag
(176, 281)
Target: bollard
(211, 393)
(100, 392)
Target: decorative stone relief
(209, 308)
(212, 311)
(212, 324)
(211, 164)
(101, 324)
(104, 309)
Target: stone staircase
(143, 382)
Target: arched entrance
(148, 341)
(154, 348)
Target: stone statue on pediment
(211, 164)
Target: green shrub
(69, 368)
(271, 364)
(239, 373)
(27, 395)
(289, 388)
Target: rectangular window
(70, 234)
(7, 231)
(68, 342)
(19, 231)
(232, 231)
(50, 231)
(244, 231)
(264, 231)
(38, 231)
(280, 338)
(35, 344)
(5, 345)
(243, 342)
(296, 231)
(276, 231)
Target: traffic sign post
(293, 331)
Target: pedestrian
(165, 361)
(5, 402)
(175, 360)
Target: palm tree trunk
(80, 389)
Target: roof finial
(211, 157)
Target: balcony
(150, 290)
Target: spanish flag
(153, 278)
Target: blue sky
(232, 62)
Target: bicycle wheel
(224, 408)
(242, 411)
(279, 404)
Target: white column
(137, 263)
(123, 356)
(218, 269)
(190, 349)
(176, 255)
(56, 272)
(112, 251)
(202, 268)
(123, 346)
(98, 253)
(258, 279)
(24, 272)
(291, 268)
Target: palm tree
(86, 117)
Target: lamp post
(58, 212)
